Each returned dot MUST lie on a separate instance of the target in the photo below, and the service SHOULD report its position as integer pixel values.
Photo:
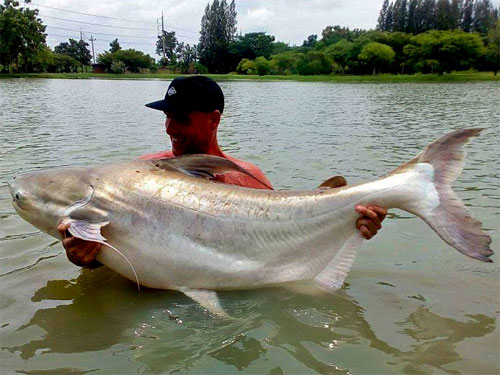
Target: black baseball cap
(193, 93)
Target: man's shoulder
(252, 168)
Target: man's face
(190, 133)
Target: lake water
(411, 304)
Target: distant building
(98, 68)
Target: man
(193, 107)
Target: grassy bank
(381, 78)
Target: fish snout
(12, 187)
(18, 196)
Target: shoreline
(381, 78)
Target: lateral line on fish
(229, 218)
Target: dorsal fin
(334, 182)
(204, 166)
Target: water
(411, 303)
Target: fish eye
(18, 196)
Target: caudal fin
(451, 219)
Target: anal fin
(333, 275)
(207, 299)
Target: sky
(138, 21)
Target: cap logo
(171, 91)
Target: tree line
(411, 37)
(418, 16)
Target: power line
(92, 15)
(117, 35)
(98, 24)
(113, 18)
(52, 36)
(93, 32)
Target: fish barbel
(173, 227)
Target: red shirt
(231, 178)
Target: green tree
(246, 66)
(411, 25)
(117, 67)
(332, 34)
(167, 40)
(467, 18)
(382, 16)
(186, 58)
(280, 47)
(456, 9)
(114, 46)
(443, 13)
(64, 64)
(252, 45)
(39, 62)
(314, 62)
(262, 66)
(453, 50)
(492, 53)
(340, 53)
(21, 34)
(429, 15)
(310, 41)
(284, 63)
(400, 15)
(377, 56)
(218, 29)
(389, 18)
(483, 18)
(132, 60)
(75, 49)
(397, 41)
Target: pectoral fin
(333, 275)
(206, 298)
(92, 232)
(87, 231)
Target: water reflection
(86, 316)
(97, 310)
(437, 338)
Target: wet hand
(371, 220)
(79, 252)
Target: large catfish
(172, 227)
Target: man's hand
(371, 221)
(79, 252)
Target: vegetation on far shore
(411, 37)
(379, 78)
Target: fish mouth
(12, 190)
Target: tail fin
(451, 219)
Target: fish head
(42, 198)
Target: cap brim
(161, 105)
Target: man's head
(193, 106)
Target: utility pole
(92, 41)
(81, 34)
(163, 36)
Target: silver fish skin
(184, 232)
